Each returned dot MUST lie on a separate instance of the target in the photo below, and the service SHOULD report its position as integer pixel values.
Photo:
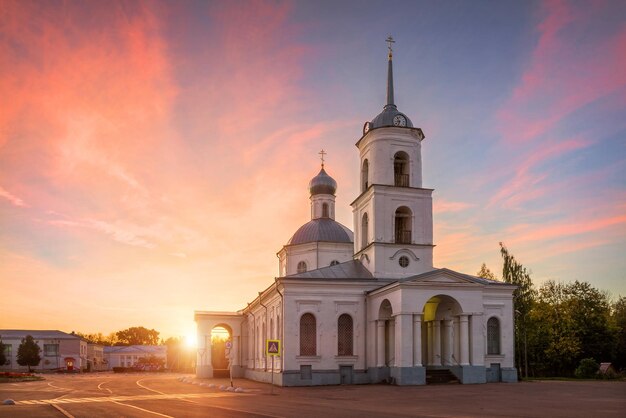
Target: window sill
(347, 359)
(308, 359)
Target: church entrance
(221, 345)
(441, 345)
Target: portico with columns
(436, 320)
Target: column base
(204, 372)
(404, 376)
(378, 374)
(508, 375)
(468, 375)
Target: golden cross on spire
(390, 41)
(322, 153)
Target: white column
(235, 351)
(380, 343)
(437, 342)
(429, 324)
(392, 342)
(417, 339)
(404, 340)
(456, 350)
(447, 342)
(464, 340)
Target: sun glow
(191, 340)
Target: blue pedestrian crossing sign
(272, 347)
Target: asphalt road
(165, 395)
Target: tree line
(558, 325)
(179, 356)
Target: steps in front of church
(440, 376)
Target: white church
(369, 306)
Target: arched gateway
(370, 306)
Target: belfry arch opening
(441, 332)
(403, 225)
(401, 169)
(364, 231)
(365, 175)
(221, 337)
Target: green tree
(28, 353)
(137, 336)
(618, 317)
(3, 357)
(99, 338)
(589, 311)
(152, 361)
(485, 273)
(570, 321)
(523, 298)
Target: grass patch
(20, 379)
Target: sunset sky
(154, 156)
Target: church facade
(369, 306)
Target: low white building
(128, 356)
(59, 350)
(370, 306)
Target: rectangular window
(51, 350)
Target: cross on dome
(390, 41)
(322, 153)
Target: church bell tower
(393, 217)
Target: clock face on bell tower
(399, 120)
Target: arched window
(364, 229)
(308, 335)
(401, 169)
(345, 333)
(493, 336)
(365, 175)
(301, 267)
(402, 225)
(325, 210)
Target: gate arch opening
(221, 339)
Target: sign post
(229, 345)
(272, 349)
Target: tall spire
(390, 100)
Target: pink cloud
(12, 198)
(563, 75)
(528, 182)
(442, 206)
(570, 228)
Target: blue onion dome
(322, 184)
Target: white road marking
(101, 388)
(182, 396)
(147, 388)
(162, 393)
(63, 411)
(58, 387)
(145, 410)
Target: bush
(588, 368)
